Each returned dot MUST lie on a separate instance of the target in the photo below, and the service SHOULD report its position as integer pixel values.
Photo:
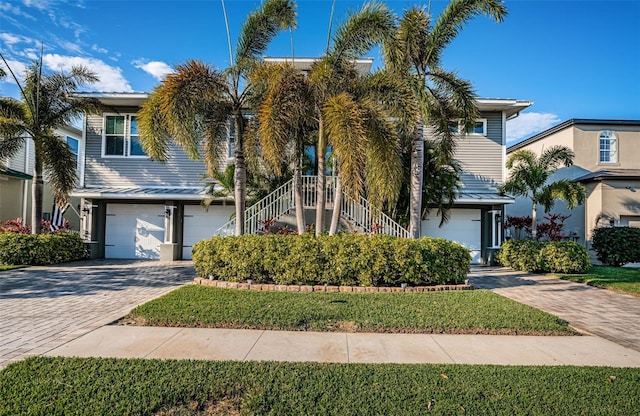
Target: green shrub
(564, 257)
(545, 257)
(617, 246)
(41, 249)
(344, 259)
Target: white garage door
(200, 224)
(464, 227)
(134, 231)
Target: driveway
(42, 308)
(601, 312)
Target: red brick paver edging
(322, 288)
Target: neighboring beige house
(607, 162)
(15, 181)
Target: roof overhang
(472, 198)
(116, 99)
(511, 107)
(15, 174)
(363, 65)
(143, 193)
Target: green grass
(619, 279)
(453, 312)
(4, 267)
(94, 386)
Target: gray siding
(178, 170)
(482, 157)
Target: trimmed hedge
(544, 256)
(345, 259)
(41, 249)
(617, 246)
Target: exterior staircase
(282, 202)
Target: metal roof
(15, 174)
(483, 198)
(179, 193)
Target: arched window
(608, 147)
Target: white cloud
(529, 124)
(98, 49)
(110, 78)
(18, 69)
(156, 69)
(15, 10)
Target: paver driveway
(610, 315)
(42, 308)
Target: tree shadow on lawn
(90, 277)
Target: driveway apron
(42, 308)
(600, 312)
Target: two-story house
(16, 180)
(134, 207)
(607, 162)
(477, 216)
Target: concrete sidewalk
(240, 344)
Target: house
(16, 179)
(477, 215)
(134, 207)
(607, 162)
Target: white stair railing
(282, 201)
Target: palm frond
(407, 49)
(344, 121)
(573, 194)
(152, 127)
(261, 27)
(369, 26)
(59, 165)
(453, 18)
(556, 157)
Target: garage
(464, 227)
(200, 224)
(134, 231)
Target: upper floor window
(121, 136)
(608, 147)
(477, 128)
(74, 147)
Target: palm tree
(193, 105)
(284, 119)
(46, 104)
(414, 53)
(352, 117)
(530, 175)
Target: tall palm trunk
(322, 179)
(37, 192)
(337, 207)
(417, 167)
(240, 175)
(298, 199)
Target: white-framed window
(495, 228)
(120, 136)
(74, 146)
(608, 147)
(478, 128)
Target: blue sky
(573, 59)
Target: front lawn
(95, 386)
(452, 312)
(4, 267)
(619, 279)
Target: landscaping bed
(95, 386)
(450, 312)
